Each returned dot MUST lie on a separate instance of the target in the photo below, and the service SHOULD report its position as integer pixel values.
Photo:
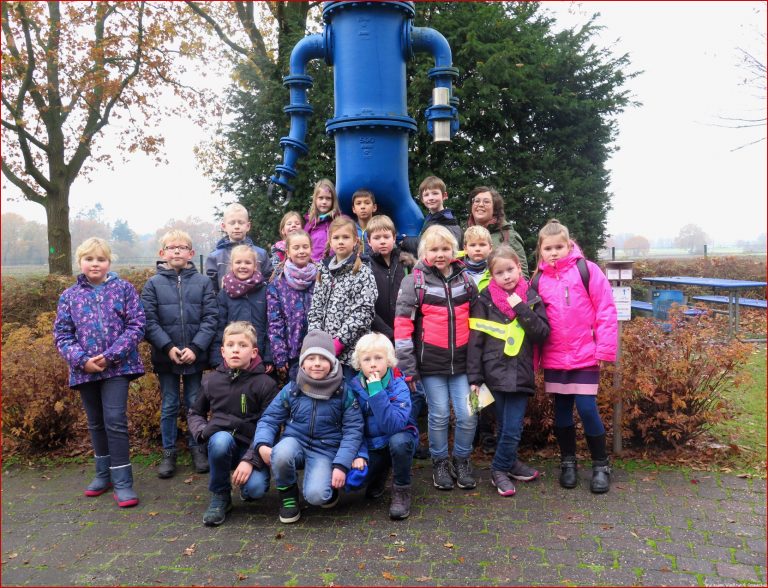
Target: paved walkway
(655, 529)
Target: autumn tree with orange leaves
(69, 69)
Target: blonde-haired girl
(290, 223)
(324, 208)
(99, 325)
(508, 319)
(431, 339)
(289, 297)
(243, 297)
(345, 293)
(582, 317)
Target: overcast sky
(674, 166)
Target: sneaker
(488, 443)
(441, 474)
(167, 467)
(244, 497)
(502, 483)
(461, 470)
(289, 503)
(200, 458)
(218, 508)
(332, 501)
(523, 472)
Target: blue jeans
(398, 454)
(288, 456)
(418, 400)
(223, 456)
(586, 405)
(440, 390)
(510, 410)
(106, 406)
(170, 387)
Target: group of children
(364, 333)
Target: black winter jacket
(486, 361)
(181, 311)
(388, 279)
(236, 399)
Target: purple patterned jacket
(287, 311)
(107, 320)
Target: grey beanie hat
(320, 343)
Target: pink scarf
(499, 296)
(238, 288)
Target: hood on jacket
(564, 262)
(83, 281)
(225, 243)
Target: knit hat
(320, 343)
(356, 479)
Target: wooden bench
(748, 302)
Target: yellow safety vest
(511, 333)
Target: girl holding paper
(507, 319)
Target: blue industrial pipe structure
(368, 45)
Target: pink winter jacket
(583, 325)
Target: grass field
(745, 434)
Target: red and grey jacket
(432, 321)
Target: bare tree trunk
(59, 238)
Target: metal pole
(202, 269)
(617, 404)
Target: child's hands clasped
(95, 364)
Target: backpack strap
(581, 265)
(418, 283)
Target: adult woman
(487, 210)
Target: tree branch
(28, 192)
(219, 31)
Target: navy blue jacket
(181, 311)
(251, 308)
(386, 409)
(332, 427)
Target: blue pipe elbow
(309, 48)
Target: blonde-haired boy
(182, 316)
(478, 245)
(390, 433)
(236, 224)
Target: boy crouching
(236, 394)
(323, 430)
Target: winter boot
(400, 506)
(441, 474)
(102, 482)
(200, 458)
(601, 468)
(122, 480)
(461, 470)
(167, 467)
(568, 475)
(566, 439)
(218, 508)
(289, 503)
